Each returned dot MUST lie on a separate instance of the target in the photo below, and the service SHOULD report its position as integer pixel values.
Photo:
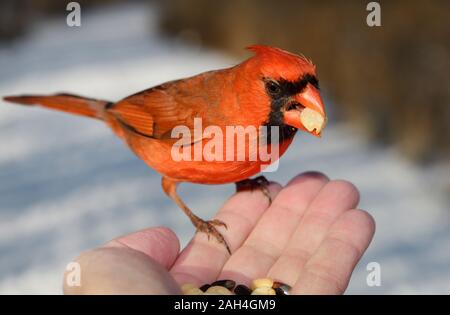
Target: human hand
(310, 237)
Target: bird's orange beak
(311, 116)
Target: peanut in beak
(312, 120)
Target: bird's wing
(156, 112)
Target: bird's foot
(209, 227)
(251, 184)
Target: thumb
(159, 243)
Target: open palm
(310, 237)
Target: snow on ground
(67, 184)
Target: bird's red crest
(277, 63)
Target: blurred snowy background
(67, 184)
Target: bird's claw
(251, 184)
(218, 223)
(209, 227)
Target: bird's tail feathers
(64, 102)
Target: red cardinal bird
(274, 88)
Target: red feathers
(274, 89)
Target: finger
(202, 259)
(267, 240)
(329, 269)
(132, 264)
(159, 243)
(119, 270)
(334, 198)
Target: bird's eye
(273, 88)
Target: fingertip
(346, 185)
(275, 184)
(308, 176)
(160, 243)
(167, 234)
(345, 189)
(301, 190)
(356, 226)
(363, 220)
(274, 188)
